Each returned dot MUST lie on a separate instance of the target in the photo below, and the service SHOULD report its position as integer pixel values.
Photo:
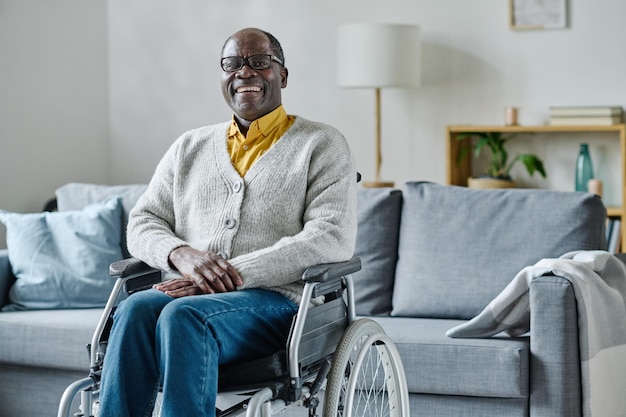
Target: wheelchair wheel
(366, 377)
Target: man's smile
(248, 89)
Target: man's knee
(147, 303)
(181, 319)
(198, 313)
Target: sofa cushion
(48, 338)
(75, 196)
(378, 216)
(61, 259)
(436, 364)
(460, 247)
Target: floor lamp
(372, 55)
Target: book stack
(586, 115)
(613, 234)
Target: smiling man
(235, 211)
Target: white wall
(161, 60)
(53, 99)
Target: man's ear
(284, 73)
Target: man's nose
(246, 71)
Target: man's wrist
(174, 256)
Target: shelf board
(614, 211)
(535, 129)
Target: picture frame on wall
(537, 14)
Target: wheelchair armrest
(139, 275)
(127, 267)
(331, 271)
(327, 277)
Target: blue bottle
(584, 169)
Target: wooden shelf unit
(457, 173)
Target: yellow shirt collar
(262, 125)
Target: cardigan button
(237, 186)
(222, 255)
(230, 223)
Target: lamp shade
(378, 55)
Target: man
(238, 210)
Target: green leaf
(532, 164)
(479, 146)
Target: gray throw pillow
(75, 196)
(61, 259)
(378, 216)
(459, 247)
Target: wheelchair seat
(253, 374)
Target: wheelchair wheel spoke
(366, 377)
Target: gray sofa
(433, 257)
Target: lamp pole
(379, 159)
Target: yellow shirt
(262, 134)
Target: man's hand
(204, 272)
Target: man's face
(252, 93)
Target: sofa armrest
(621, 257)
(6, 277)
(555, 360)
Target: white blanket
(599, 282)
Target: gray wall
(54, 123)
(96, 91)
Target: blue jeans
(179, 343)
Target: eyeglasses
(255, 62)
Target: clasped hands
(203, 272)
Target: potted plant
(497, 174)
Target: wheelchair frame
(324, 340)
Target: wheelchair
(349, 362)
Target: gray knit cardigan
(295, 207)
